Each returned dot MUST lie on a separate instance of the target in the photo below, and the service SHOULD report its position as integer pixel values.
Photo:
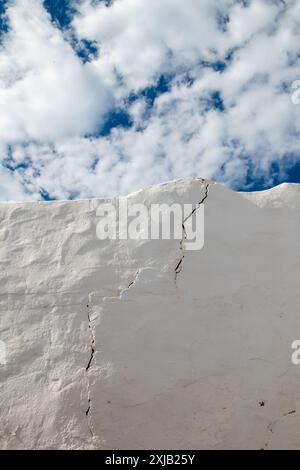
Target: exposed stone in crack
(179, 266)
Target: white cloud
(48, 93)
(53, 99)
(141, 39)
(246, 22)
(11, 188)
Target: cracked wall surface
(106, 351)
(204, 197)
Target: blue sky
(102, 98)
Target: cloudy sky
(99, 98)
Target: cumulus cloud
(48, 93)
(141, 39)
(225, 114)
(12, 189)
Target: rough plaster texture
(143, 345)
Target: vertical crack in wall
(92, 346)
(92, 339)
(93, 349)
(179, 266)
